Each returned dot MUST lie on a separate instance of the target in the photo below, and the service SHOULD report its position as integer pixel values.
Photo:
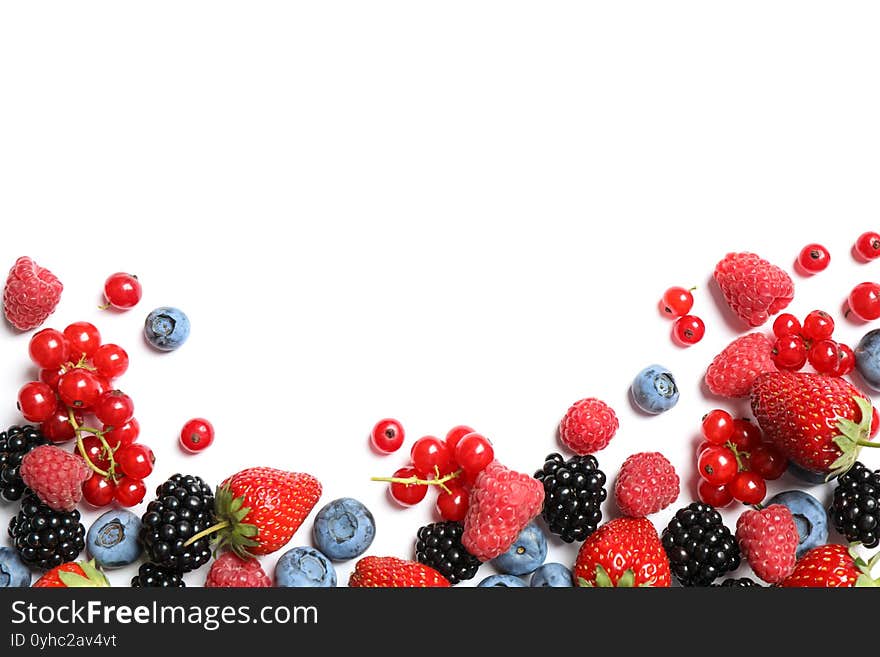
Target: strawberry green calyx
(853, 436)
(603, 580)
(231, 532)
(864, 580)
(93, 577)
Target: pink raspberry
(55, 475)
(231, 571)
(752, 287)
(768, 540)
(588, 426)
(31, 294)
(733, 371)
(502, 502)
(647, 483)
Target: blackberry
(184, 506)
(46, 538)
(855, 509)
(152, 576)
(15, 442)
(700, 548)
(573, 494)
(739, 582)
(439, 546)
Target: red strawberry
(832, 566)
(819, 422)
(31, 294)
(647, 483)
(373, 572)
(625, 552)
(735, 369)
(231, 571)
(768, 540)
(752, 287)
(74, 574)
(56, 476)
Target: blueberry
(166, 328)
(13, 571)
(552, 575)
(654, 390)
(344, 529)
(527, 552)
(113, 539)
(868, 358)
(507, 581)
(304, 567)
(805, 475)
(809, 517)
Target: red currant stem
(106, 306)
(415, 481)
(691, 289)
(81, 448)
(867, 443)
(737, 454)
(207, 532)
(89, 430)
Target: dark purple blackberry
(15, 442)
(739, 582)
(855, 509)
(45, 538)
(152, 576)
(439, 545)
(184, 506)
(573, 494)
(700, 548)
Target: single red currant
(110, 360)
(430, 455)
(95, 450)
(867, 246)
(818, 325)
(718, 426)
(453, 505)
(36, 401)
(789, 353)
(746, 435)
(703, 446)
(123, 435)
(688, 330)
(864, 301)
(197, 435)
(48, 349)
(717, 496)
(130, 491)
(677, 301)
(79, 388)
(50, 377)
(846, 359)
(407, 494)
(786, 324)
(748, 487)
(98, 490)
(58, 428)
(83, 339)
(717, 465)
(813, 258)
(825, 356)
(455, 434)
(114, 408)
(387, 436)
(136, 460)
(767, 462)
(474, 452)
(875, 423)
(122, 290)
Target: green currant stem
(416, 481)
(737, 454)
(81, 448)
(106, 306)
(207, 532)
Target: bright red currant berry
(130, 491)
(114, 408)
(58, 428)
(864, 301)
(98, 490)
(846, 360)
(110, 360)
(453, 505)
(474, 452)
(875, 423)
(748, 487)
(80, 389)
(48, 349)
(430, 456)
(767, 462)
(717, 465)
(818, 325)
(455, 434)
(407, 494)
(786, 324)
(789, 353)
(122, 290)
(123, 435)
(36, 401)
(717, 496)
(83, 338)
(703, 446)
(95, 450)
(688, 330)
(824, 356)
(813, 258)
(717, 426)
(867, 246)
(677, 301)
(387, 436)
(50, 377)
(136, 460)
(746, 435)
(197, 435)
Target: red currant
(717, 465)
(123, 435)
(748, 487)
(455, 434)
(768, 462)
(114, 408)
(407, 494)
(813, 258)
(387, 436)
(718, 426)
(79, 388)
(136, 460)
(98, 490)
(864, 301)
(96, 452)
(48, 349)
(688, 330)
(430, 455)
(746, 435)
(58, 428)
(474, 452)
(130, 491)
(789, 353)
(846, 360)
(717, 496)
(36, 401)
(110, 360)
(122, 290)
(786, 324)
(197, 434)
(867, 246)
(703, 446)
(83, 338)
(875, 423)
(677, 301)
(818, 325)
(50, 377)
(454, 504)
(825, 356)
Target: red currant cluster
(797, 344)
(77, 375)
(676, 303)
(734, 461)
(451, 464)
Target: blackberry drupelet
(700, 548)
(15, 442)
(855, 509)
(152, 576)
(573, 494)
(439, 546)
(184, 506)
(738, 582)
(45, 538)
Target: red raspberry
(733, 371)
(231, 571)
(646, 484)
(752, 287)
(768, 540)
(31, 294)
(502, 502)
(588, 426)
(55, 475)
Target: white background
(458, 212)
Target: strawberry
(73, 574)
(373, 572)
(625, 552)
(832, 566)
(819, 422)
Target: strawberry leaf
(851, 435)
(627, 580)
